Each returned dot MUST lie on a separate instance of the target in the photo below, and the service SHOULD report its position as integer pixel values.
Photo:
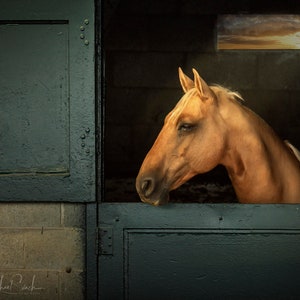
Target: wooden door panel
(179, 264)
(34, 99)
(199, 251)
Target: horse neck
(254, 156)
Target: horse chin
(157, 201)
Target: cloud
(259, 25)
(245, 40)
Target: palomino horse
(208, 127)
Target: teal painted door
(199, 251)
(47, 127)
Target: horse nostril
(147, 187)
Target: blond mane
(234, 95)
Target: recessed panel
(194, 264)
(34, 98)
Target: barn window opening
(258, 32)
(143, 46)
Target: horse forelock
(219, 91)
(181, 105)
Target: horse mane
(293, 149)
(234, 95)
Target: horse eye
(186, 127)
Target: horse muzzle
(150, 191)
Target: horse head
(190, 142)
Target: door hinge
(105, 240)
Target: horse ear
(202, 87)
(186, 82)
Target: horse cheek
(202, 158)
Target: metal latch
(105, 235)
